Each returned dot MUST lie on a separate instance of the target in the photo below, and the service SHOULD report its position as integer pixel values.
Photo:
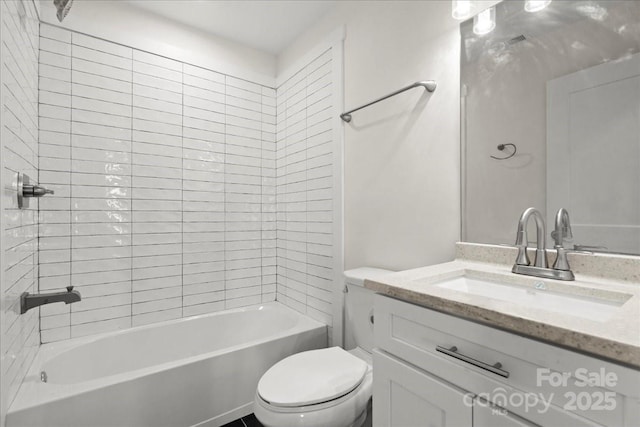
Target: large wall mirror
(551, 118)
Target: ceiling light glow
(535, 5)
(461, 9)
(484, 22)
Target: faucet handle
(69, 288)
(561, 262)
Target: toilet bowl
(331, 386)
(327, 387)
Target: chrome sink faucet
(540, 267)
(29, 301)
(522, 242)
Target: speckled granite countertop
(615, 336)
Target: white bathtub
(199, 371)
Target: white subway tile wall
(157, 190)
(19, 335)
(304, 177)
(164, 174)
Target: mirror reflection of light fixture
(461, 9)
(485, 21)
(535, 5)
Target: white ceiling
(267, 25)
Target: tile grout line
(224, 198)
(71, 281)
(182, 198)
(306, 186)
(278, 189)
(37, 261)
(131, 210)
(262, 226)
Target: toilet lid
(311, 377)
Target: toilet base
(363, 420)
(360, 422)
(368, 421)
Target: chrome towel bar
(429, 85)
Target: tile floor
(248, 421)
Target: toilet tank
(358, 308)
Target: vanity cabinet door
(404, 396)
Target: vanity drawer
(425, 337)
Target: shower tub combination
(198, 371)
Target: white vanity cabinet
(434, 369)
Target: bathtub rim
(34, 392)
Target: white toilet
(331, 386)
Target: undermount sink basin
(588, 303)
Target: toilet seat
(311, 378)
(345, 410)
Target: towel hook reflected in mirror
(501, 147)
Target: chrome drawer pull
(453, 352)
